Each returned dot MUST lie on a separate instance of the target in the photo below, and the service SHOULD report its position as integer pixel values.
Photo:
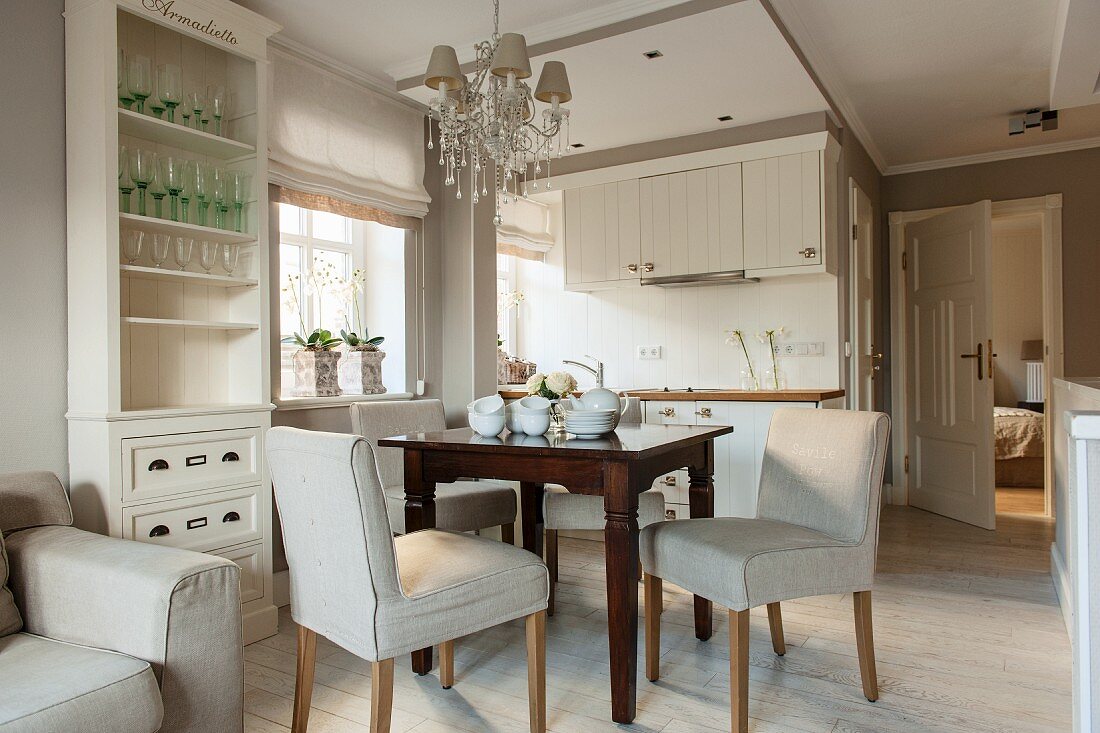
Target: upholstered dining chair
(815, 533)
(562, 510)
(378, 596)
(462, 506)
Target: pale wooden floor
(967, 629)
(1012, 500)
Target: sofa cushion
(10, 622)
(52, 686)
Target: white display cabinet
(172, 360)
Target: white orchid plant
(349, 292)
(552, 386)
(317, 281)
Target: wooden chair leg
(739, 671)
(381, 695)
(303, 678)
(652, 586)
(865, 644)
(775, 621)
(550, 542)
(447, 664)
(536, 670)
(508, 534)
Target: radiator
(1034, 381)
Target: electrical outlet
(649, 352)
(800, 348)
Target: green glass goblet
(142, 170)
(157, 191)
(187, 189)
(170, 88)
(125, 98)
(125, 183)
(139, 75)
(221, 191)
(171, 175)
(239, 188)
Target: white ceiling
(937, 79)
(729, 61)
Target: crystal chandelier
(487, 124)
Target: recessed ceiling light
(577, 145)
(725, 118)
(654, 54)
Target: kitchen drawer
(674, 486)
(200, 523)
(250, 559)
(163, 465)
(669, 413)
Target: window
(506, 303)
(321, 257)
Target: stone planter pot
(361, 372)
(316, 374)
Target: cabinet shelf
(179, 229)
(178, 323)
(177, 136)
(138, 272)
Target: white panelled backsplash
(690, 325)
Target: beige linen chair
(816, 532)
(563, 510)
(378, 596)
(463, 506)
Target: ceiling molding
(352, 74)
(790, 23)
(1048, 149)
(600, 15)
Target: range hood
(729, 277)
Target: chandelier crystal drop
(488, 125)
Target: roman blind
(330, 136)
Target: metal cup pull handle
(231, 517)
(160, 531)
(159, 465)
(230, 457)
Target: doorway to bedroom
(1019, 399)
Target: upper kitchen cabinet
(602, 239)
(789, 214)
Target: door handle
(704, 412)
(992, 356)
(809, 253)
(976, 355)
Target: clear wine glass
(139, 74)
(170, 87)
(171, 175)
(208, 255)
(216, 95)
(142, 169)
(125, 98)
(202, 190)
(156, 107)
(160, 248)
(221, 191)
(231, 255)
(239, 185)
(197, 101)
(182, 253)
(187, 188)
(125, 183)
(157, 189)
(131, 245)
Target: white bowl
(491, 405)
(511, 418)
(487, 425)
(534, 423)
(534, 403)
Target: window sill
(316, 403)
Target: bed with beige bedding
(1019, 443)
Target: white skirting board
(1062, 586)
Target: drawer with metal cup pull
(164, 465)
(201, 523)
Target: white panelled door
(866, 359)
(950, 390)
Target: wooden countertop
(721, 395)
(737, 395)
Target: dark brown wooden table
(618, 467)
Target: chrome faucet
(597, 372)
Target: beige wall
(32, 238)
(1076, 175)
(1017, 304)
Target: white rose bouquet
(552, 386)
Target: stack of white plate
(590, 423)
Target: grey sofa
(116, 635)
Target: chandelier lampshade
(511, 57)
(490, 136)
(443, 69)
(553, 81)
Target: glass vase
(775, 379)
(749, 381)
(557, 418)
